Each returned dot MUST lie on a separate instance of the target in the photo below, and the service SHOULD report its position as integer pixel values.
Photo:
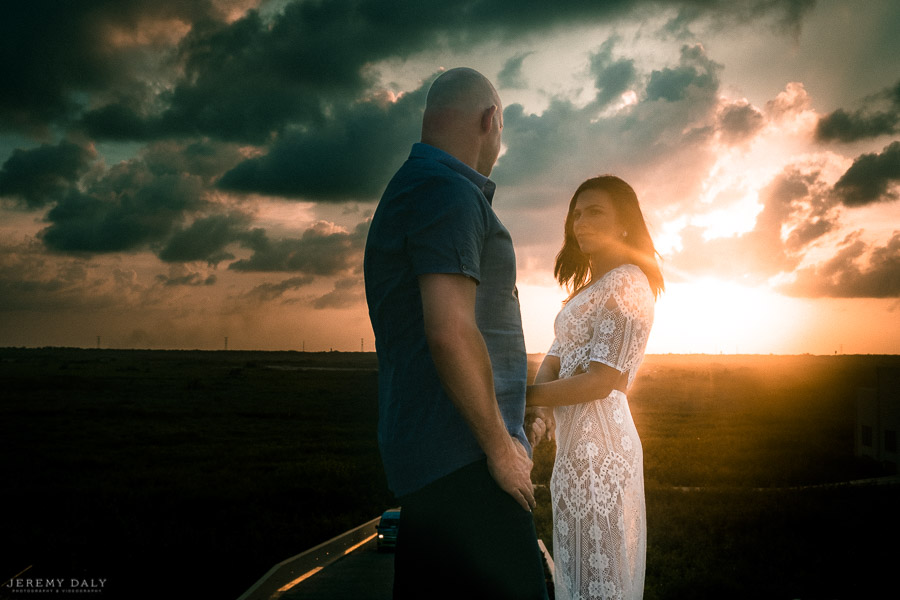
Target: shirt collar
(485, 184)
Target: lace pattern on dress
(597, 486)
(607, 322)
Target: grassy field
(742, 457)
(190, 474)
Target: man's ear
(487, 118)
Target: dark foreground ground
(190, 474)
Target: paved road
(364, 574)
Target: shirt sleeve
(622, 317)
(447, 230)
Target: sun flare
(706, 316)
(713, 316)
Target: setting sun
(705, 316)
(712, 316)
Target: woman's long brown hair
(573, 267)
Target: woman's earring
(624, 234)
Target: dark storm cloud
(568, 141)
(510, 76)
(694, 71)
(846, 275)
(204, 158)
(243, 80)
(319, 251)
(187, 279)
(612, 76)
(347, 293)
(52, 51)
(864, 123)
(34, 179)
(206, 239)
(129, 208)
(739, 122)
(134, 205)
(350, 156)
(870, 178)
(267, 292)
(788, 14)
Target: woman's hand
(539, 424)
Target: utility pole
(226, 342)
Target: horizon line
(333, 351)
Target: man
(440, 283)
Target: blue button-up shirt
(436, 217)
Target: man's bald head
(463, 90)
(463, 116)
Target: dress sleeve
(621, 319)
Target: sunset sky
(173, 173)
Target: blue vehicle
(387, 529)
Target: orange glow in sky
(706, 316)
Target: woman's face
(595, 222)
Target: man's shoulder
(432, 186)
(430, 173)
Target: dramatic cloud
(33, 179)
(206, 239)
(567, 142)
(696, 72)
(187, 278)
(870, 178)
(613, 77)
(346, 293)
(847, 276)
(351, 156)
(129, 208)
(863, 123)
(510, 76)
(321, 250)
(246, 78)
(268, 292)
(795, 214)
(55, 51)
(211, 165)
(739, 122)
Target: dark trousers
(464, 537)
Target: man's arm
(463, 364)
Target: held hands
(511, 469)
(539, 424)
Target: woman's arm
(539, 421)
(597, 382)
(549, 369)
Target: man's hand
(539, 424)
(512, 472)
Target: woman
(608, 263)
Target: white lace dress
(597, 486)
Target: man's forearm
(464, 367)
